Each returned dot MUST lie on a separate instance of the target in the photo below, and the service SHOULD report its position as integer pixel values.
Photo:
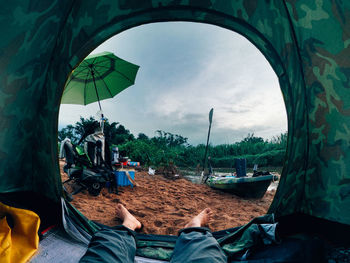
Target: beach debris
(169, 171)
(151, 171)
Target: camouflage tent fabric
(307, 43)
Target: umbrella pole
(98, 98)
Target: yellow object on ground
(19, 238)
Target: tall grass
(254, 149)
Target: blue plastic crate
(122, 179)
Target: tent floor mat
(55, 244)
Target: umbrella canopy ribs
(98, 77)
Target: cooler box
(121, 178)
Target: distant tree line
(165, 147)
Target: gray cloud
(186, 69)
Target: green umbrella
(98, 77)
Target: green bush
(270, 158)
(165, 147)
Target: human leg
(114, 245)
(196, 243)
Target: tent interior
(306, 42)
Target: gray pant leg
(197, 244)
(109, 246)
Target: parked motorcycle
(88, 169)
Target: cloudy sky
(185, 70)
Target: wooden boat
(253, 187)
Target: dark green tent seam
(46, 79)
(306, 163)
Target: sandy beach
(164, 206)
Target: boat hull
(251, 187)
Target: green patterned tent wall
(307, 43)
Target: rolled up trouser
(197, 244)
(111, 245)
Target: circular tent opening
(82, 29)
(295, 105)
(187, 68)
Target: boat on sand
(247, 186)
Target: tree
(110, 129)
(280, 140)
(252, 139)
(85, 127)
(168, 139)
(121, 135)
(68, 132)
(115, 133)
(143, 137)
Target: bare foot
(128, 219)
(201, 219)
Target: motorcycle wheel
(95, 189)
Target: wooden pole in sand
(206, 147)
